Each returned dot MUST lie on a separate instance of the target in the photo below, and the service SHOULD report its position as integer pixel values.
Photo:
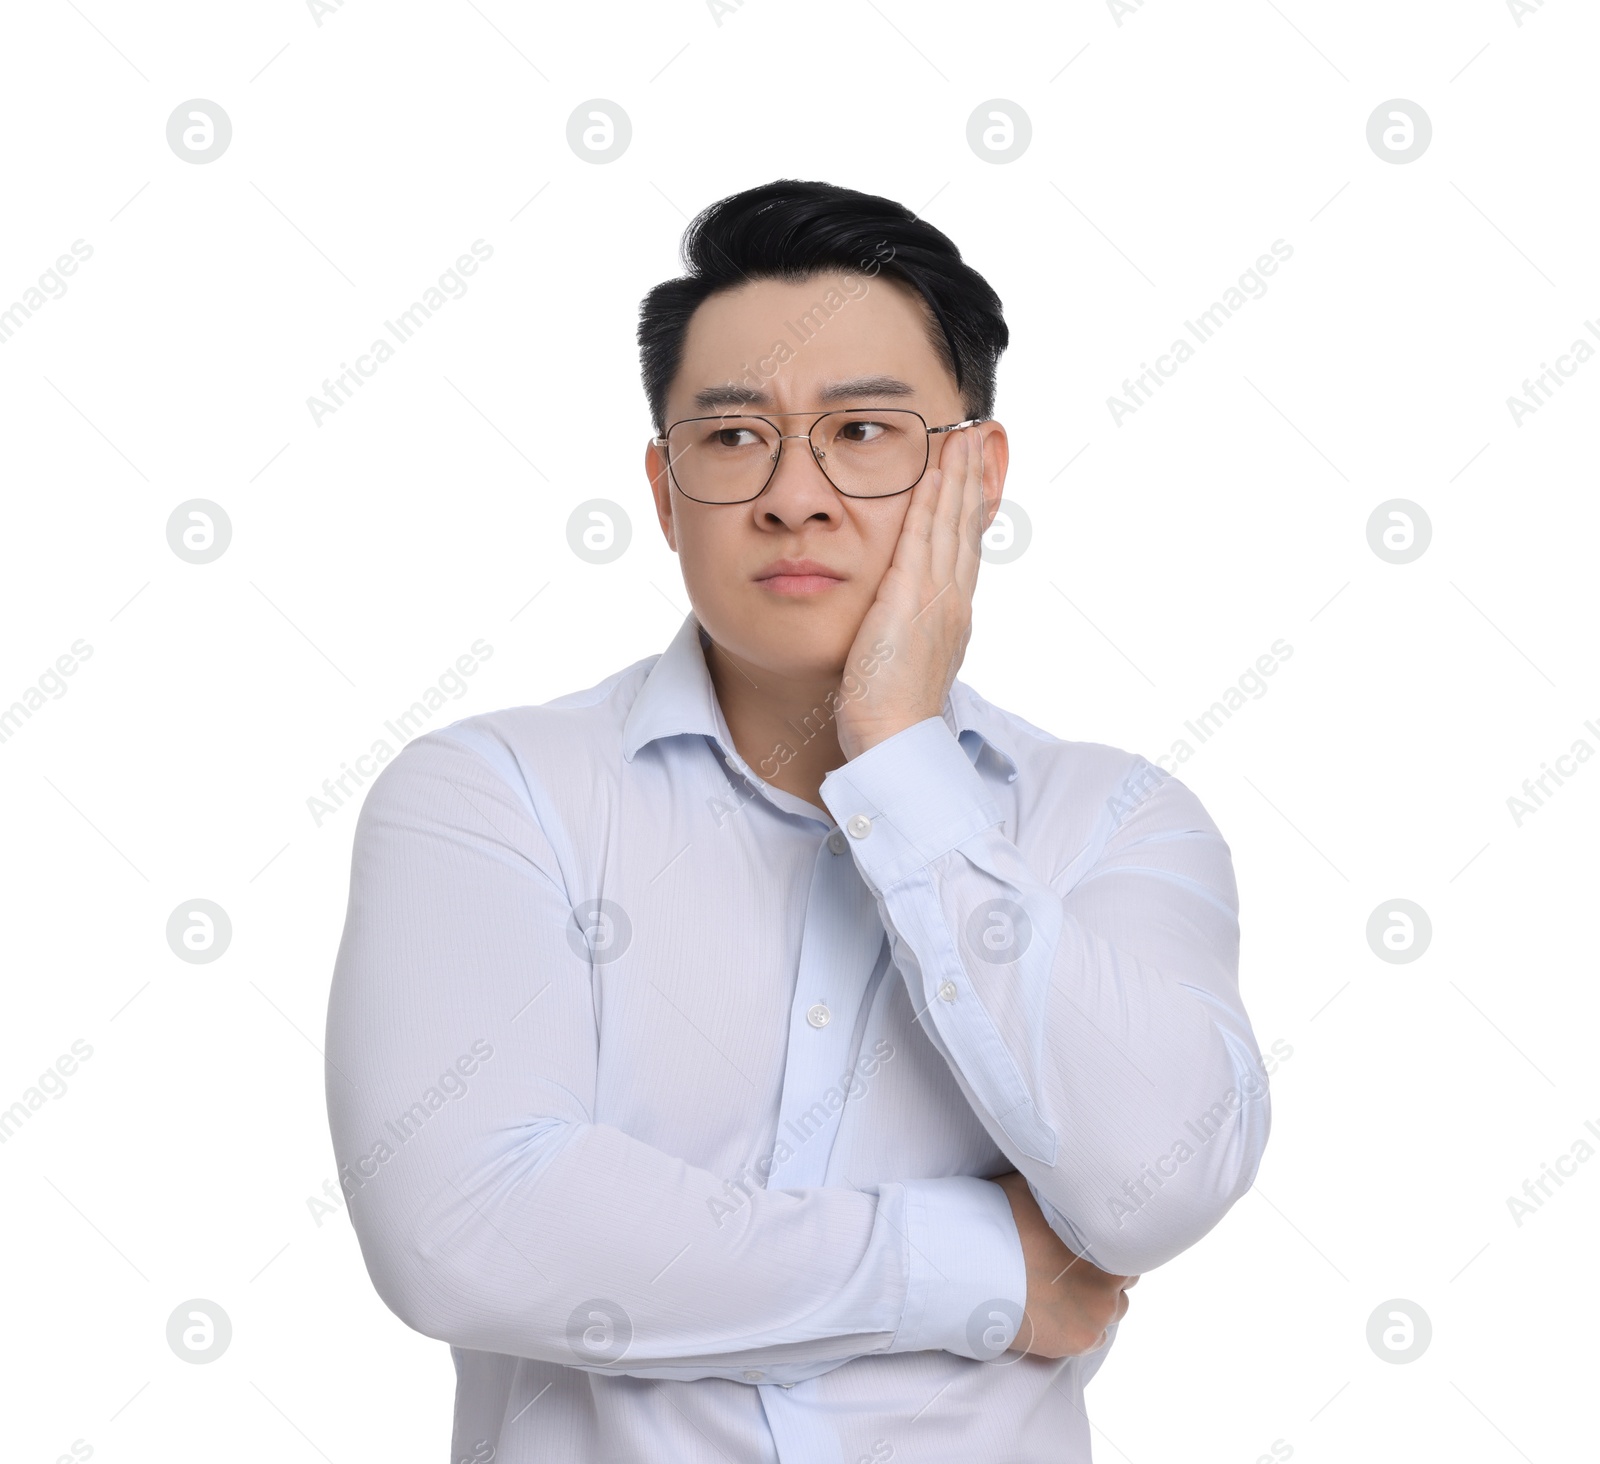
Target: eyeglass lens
(866, 453)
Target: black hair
(790, 229)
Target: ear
(996, 459)
(655, 469)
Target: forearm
(495, 1213)
(580, 1245)
(1087, 1029)
(1155, 1113)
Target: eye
(860, 431)
(730, 437)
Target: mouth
(798, 577)
(798, 584)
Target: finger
(956, 506)
(955, 461)
(911, 549)
(925, 535)
(970, 547)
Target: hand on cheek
(923, 608)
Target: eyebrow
(714, 398)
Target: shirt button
(947, 991)
(859, 826)
(819, 1015)
(836, 842)
(754, 1375)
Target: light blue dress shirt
(669, 1099)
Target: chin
(804, 645)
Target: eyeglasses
(865, 452)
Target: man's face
(879, 331)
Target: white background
(1168, 553)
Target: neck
(784, 729)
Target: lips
(797, 569)
(798, 577)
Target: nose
(799, 489)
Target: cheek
(880, 533)
(707, 556)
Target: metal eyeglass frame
(816, 453)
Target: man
(776, 1052)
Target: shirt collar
(677, 697)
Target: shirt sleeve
(1086, 1000)
(494, 1213)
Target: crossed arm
(511, 1222)
(1098, 1034)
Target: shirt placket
(840, 948)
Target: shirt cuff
(907, 800)
(968, 1280)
